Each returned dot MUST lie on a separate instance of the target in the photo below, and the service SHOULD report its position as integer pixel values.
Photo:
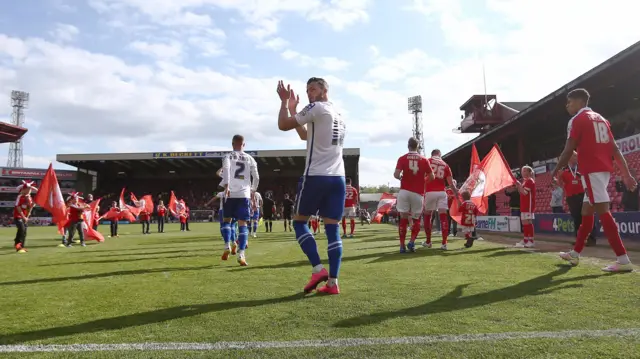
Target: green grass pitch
(173, 287)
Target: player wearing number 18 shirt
(322, 188)
(589, 134)
(240, 172)
(435, 197)
(412, 170)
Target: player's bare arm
(451, 185)
(430, 177)
(563, 161)
(288, 101)
(397, 174)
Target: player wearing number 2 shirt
(240, 172)
(412, 170)
(350, 202)
(436, 197)
(590, 136)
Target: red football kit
(450, 197)
(144, 216)
(162, 210)
(441, 171)
(571, 182)
(528, 200)
(415, 168)
(351, 197)
(595, 147)
(594, 138)
(469, 212)
(22, 207)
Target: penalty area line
(348, 342)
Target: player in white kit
(240, 173)
(322, 188)
(256, 205)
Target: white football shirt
(257, 199)
(325, 138)
(240, 171)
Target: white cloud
(325, 62)
(274, 44)
(64, 32)
(171, 50)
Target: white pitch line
(350, 342)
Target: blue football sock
(334, 249)
(307, 242)
(225, 229)
(249, 227)
(255, 227)
(234, 230)
(243, 236)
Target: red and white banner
(35, 173)
(629, 144)
(387, 201)
(9, 189)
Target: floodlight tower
(415, 108)
(19, 102)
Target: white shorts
(595, 187)
(349, 212)
(527, 216)
(435, 200)
(409, 202)
(466, 229)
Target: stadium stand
(537, 132)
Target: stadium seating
(544, 188)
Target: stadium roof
(11, 133)
(192, 161)
(621, 67)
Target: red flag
(475, 163)
(128, 211)
(475, 159)
(49, 197)
(145, 203)
(89, 221)
(492, 175)
(173, 203)
(387, 201)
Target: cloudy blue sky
(165, 75)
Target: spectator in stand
(571, 181)
(514, 200)
(557, 196)
(630, 199)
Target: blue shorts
(323, 195)
(256, 215)
(220, 215)
(238, 208)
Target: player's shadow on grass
(424, 252)
(106, 275)
(108, 261)
(304, 263)
(172, 240)
(544, 284)
(136, 253)
(507, 252)
(139, 319)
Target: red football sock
(344, 226)
(444, 226)
(611, 231)
(583, 233)
(415, 229)
(402, 230)
(531, 232)
(353, 225)
(427, 227)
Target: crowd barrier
(562, 223)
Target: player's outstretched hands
(630, 183)
(284, 92)
(294, 100)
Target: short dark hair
(579, 94)
(320, 81)
(436, 152)
(349, 180)
(413, 144)
(238, 139)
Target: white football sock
(317, 269)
